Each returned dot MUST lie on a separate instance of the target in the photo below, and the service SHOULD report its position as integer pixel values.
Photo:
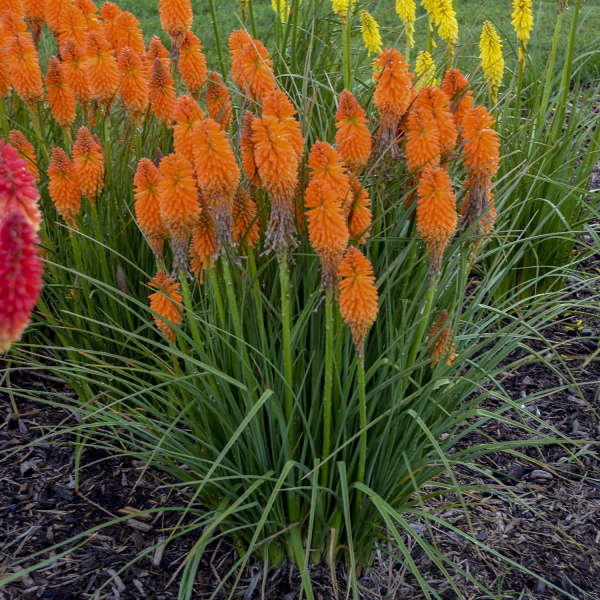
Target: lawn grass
(471, 14)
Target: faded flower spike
(441, 345)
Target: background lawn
(471, 14)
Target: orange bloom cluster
(161, 92)
(128, 34)
(147, 210)
(481, 156)
(436, 105)
(134, 83)
(251, 67)
(187, 114)
(101, 67)
(358, 296)
(277, 104)
(436, 214)
(63, 187)
(88, 160)
(192, 64)
(166, 304)
(5, 84)
(217, 173)
(457, 88)
(109, 13)
(441, 345)
(393, 95)
(204, 244)
(24, 68)
(71, 24)
(60, 96)
(178, 205)
(25, 150)
(324, 200)
(353, 138)
(422, 140)
(156, 49)
(54, 12)
(176, 18)
(218, 100)
(360, 216)
(246, 224)
(74, 67)
(247, 149)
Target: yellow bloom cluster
(340, 7)
(370, 32)
(282, 8)
(443, 16)
(425, 69)
(407, 11)
(522, 21)
(492, 61)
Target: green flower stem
(286, 323)
(362, 398)
(259, 303)
(214, 281)
(550, 70)
(422, 324)
(107, 148)
(4, 118)
(252, 23)
(346, 43)
(213, 15)
(519, 91)
(329, 330)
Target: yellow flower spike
(425, 69)
(370, 32)
(407, 12)
(340, 7)
(522, 21)
(447, 23)
(492, 61)
(281, 8)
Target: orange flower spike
(101, 67)
(5, 84)
(187, 114)
(192, 64)
(278, 105)
(440, 341)
(247, 149)
(26, 151)
(456, 87)
(353, 138)
(134, 83)
(166, 303)
(147, 209)
(63, 187)
(360, 216)
(393, 95)
(178, 204)
(73, 60)
(128, 33)
(436, 103)
(277, 166)
(176, 18)
(436, 214)
(422, 140)
(24, 68)
(204, 245)
(12, 6)
(481, 152)
(326, 165)
(12, 24)
(161, 92)
(257, 70)
(218, 100)
(109, 13)
(156, 49)
(237, 40)
(72, 24)
(60, 96)
(246, 224)
(54, 12)
(327, 229)
(358, 296)
(90, 13)
(88, 160)
(217, 173)
(35, 15)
